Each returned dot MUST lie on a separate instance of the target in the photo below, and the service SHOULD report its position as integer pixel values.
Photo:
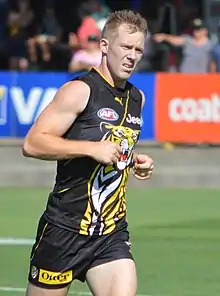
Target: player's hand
(106, 152)
(143, 167)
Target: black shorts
(60, 256)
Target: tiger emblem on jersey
(106, 187)
(125, 137)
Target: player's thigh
(56, 260)
(115, 278)
(37, 291)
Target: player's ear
(104, 43)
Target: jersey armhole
(90, 103)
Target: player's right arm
(44, 140)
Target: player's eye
(138, 50)
(126, 47)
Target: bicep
(59, 115)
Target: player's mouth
(128, 67)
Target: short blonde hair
(133, 19)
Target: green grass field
(175, 239)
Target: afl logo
(108, 114)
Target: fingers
(115, 146)
(117, 155)
(143, 168)
(114, 153)
(142, 174)
(118, 148)
(148, 164)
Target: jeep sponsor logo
(133, 119)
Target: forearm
(49, 147)
(174, 40)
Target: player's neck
(104, 71)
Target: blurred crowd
(44, 35)
(64, 35)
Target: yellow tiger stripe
(87, 219)
(109, 220)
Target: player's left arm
(143, 164)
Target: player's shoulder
(75, 88)
(72, 95)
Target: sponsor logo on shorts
(34, 272)
(55, 278)
(108, 114)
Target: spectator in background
(4, 10)
(16, 42)
(196, 49)
(28, 25)
(93, 14)
(215, 57)
(26, 14)
(50, 32)
(87, 28)
(100, 12)
(87, 57)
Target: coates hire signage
(188, 108)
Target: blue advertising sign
(6, 116)
(146, 83)
(24, 95)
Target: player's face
(124, 52)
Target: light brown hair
(134, 20)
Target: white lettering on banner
(3, 104)
(191, 109)
(28, 110)
(46, 99)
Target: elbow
(24, 152)
(28, 150)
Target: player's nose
(132, 55)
